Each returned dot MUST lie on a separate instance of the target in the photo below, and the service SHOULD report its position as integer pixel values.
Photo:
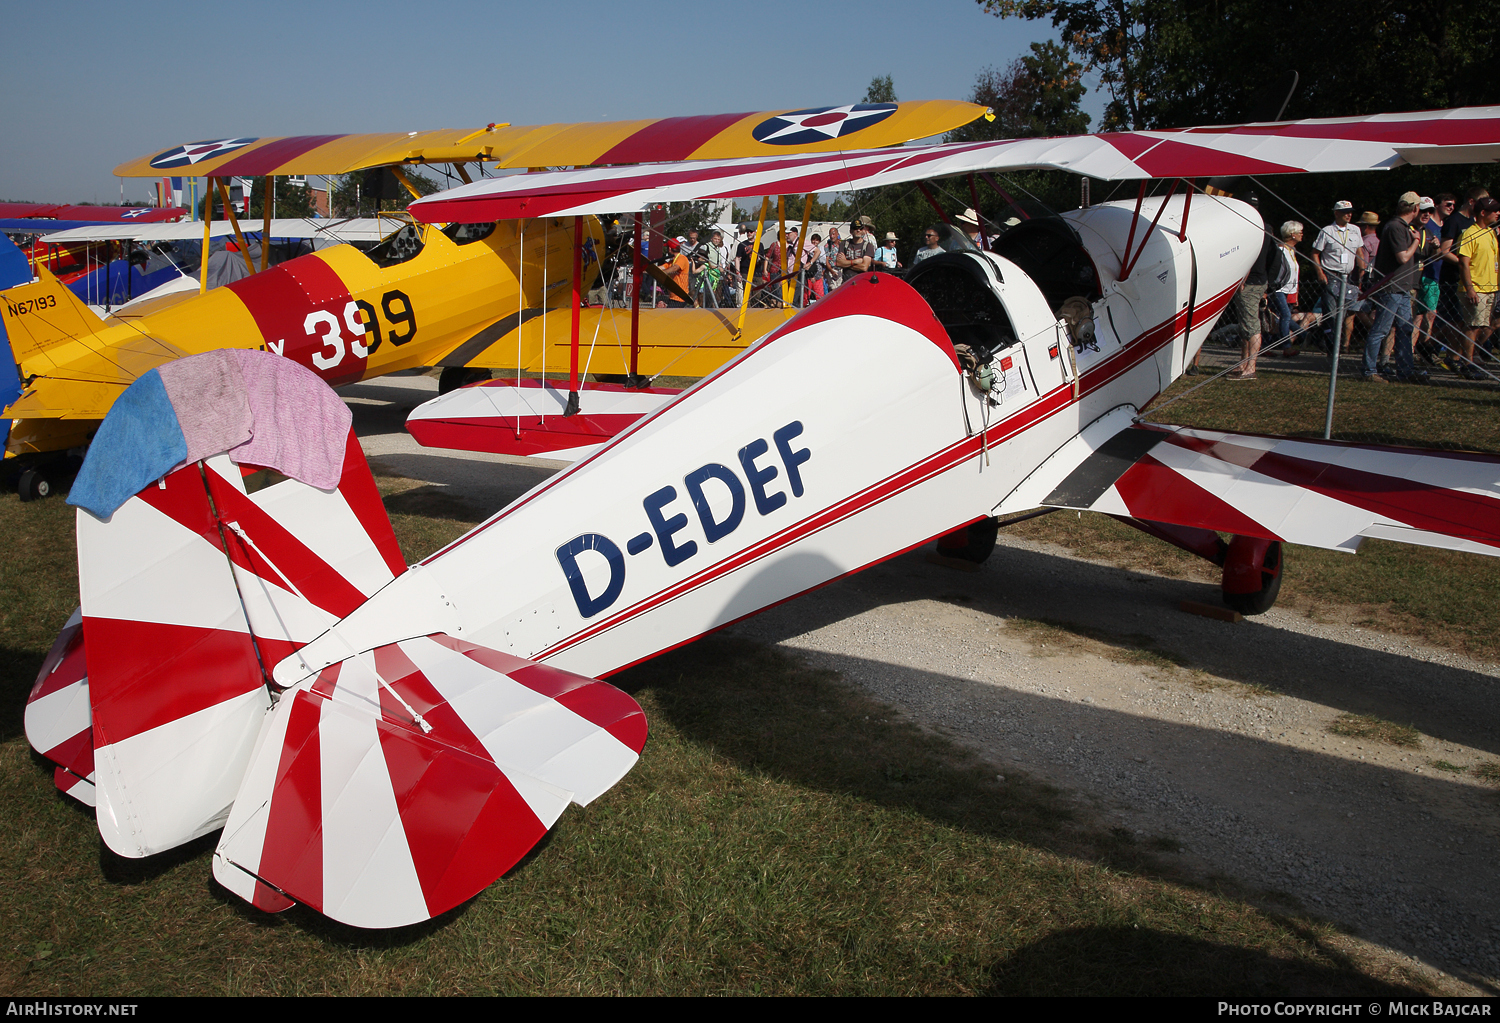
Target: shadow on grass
(1134, 960)
(433, 502)
(769, 714)
(17, 676)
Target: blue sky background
(91, 85)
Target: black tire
(973, 543)
(1261, 601)
(454, 377)
(33, 486)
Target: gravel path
(1224, 755)
(1231, 756)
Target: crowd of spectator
(1417, 289)
(711, 271)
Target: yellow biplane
(483, 296)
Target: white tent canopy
(365, 229)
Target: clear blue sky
(90, 85)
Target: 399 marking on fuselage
(361, 322)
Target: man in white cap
(1337, 253)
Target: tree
(290, 200)
(1036, 95)
(351, 197)
(881, 90)
(1172, 63)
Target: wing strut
(760, 226)
(934, 203)
(1129, 265)
(572, 409)
(789, 286)
(635, 299)
(234, 222)
(267, 206)
(208, 216)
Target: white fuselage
(842, 439)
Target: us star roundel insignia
(186, 156)
(801, 127)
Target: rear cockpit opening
(1049, 251)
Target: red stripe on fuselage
(283, 298)
(1130, 356)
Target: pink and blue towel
(262, 409)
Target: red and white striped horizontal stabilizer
(178, 644)
(57, 713)
(525, 417)
(1314, 492)
(401, 782)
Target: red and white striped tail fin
(191, 590)
(58, 725)
(399, 783)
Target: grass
(782, 834)
(1362, 726)
(1488, 771)
(1443, 597)
(1443, 765)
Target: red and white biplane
(381, 742)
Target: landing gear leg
(1252, 565)
(973, 543)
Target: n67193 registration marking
(30, 305)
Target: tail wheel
(33, 486)
(972, 543)
(1252, 574)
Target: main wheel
(972, 543)
(1252, 574)
(33, 486)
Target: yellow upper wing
(703, 137)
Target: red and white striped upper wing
(1378, 142)
(403, 781)
(1313, 492)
